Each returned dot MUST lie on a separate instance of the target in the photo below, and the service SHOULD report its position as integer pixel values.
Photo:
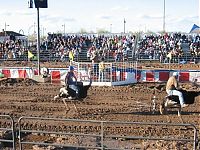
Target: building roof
(9, 33)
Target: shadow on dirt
(156, 113)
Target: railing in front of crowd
(131, 55)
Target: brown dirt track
(24, 97)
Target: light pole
(164, 18)
(34, 28)
(43, 29)
(63, 29)
(199, 12)
(38, 4)
(6, 25)
(111, 28)
(38, 39)
(124, 26)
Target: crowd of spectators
(195, 49)
(60, 47)
(95, 47)
(110, 47)
(168, 47)
(12, 49)
(114, 47)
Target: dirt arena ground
(132, 103)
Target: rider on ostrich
(71, 81)
(173, 86)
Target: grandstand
(113, 48)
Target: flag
(169, 55)
(195, 29)
(30, 55)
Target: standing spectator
(101, 70)
(88, 55)
(94, 58)
(71, 56)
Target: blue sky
(92, 15)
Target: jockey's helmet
(71, 68)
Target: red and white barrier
(17, 72)
(117, 76)
(161, 76)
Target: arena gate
(91, 134)
(94, 134)
(7, 134)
